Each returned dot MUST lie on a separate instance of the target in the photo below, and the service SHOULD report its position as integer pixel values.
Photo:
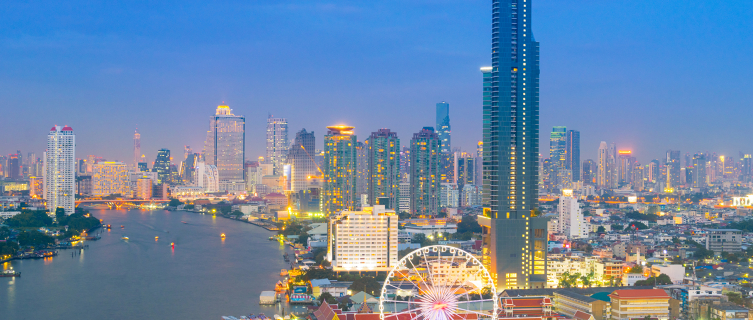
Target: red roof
(67, 128)
(639, 294)
(580, 315)
(53, 129)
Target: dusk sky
(648, 75)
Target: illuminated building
(339, 190)
(571, 220)
(747, 168)
(143, 189)
(188, 167)
(13, 166)
(225, 148)
(572, 157)
(136, 148)
(514, 238)
(449, 195)
(60, 169)
(207, 177)
(625, 164)
(588, 170)
(640, 303)
(36, 187)
(724, 240)
(363, 240)
(383, 186)
(699, 171)
(673, 168)
(404, 197)
(110, 177)
(557, 156)
(301, 159)
(362, 170)
(277, 142)
(424, 172)
(604, 171)
(162, 166)
(443, 127)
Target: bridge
(119, 203)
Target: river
(204, 277)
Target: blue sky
(648, 75)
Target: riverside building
(110, 177)
(363, 240)
(339, 190)
(225, 148)
(60, 169)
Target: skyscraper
(301, 159)
(136, 149)
(277, 142)
(383, 185)
(60, 169)
(514, 236)
(673, 168)
(162, 166)
(225, 148)
(486, 143)
(339, 192)
(424, 172)
(572, 159)
(588, 169)
(603, 173)
(443, 126)
(557, 156)
(699, 171)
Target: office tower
(162, 166)
(362, 169)
(301, 159)
(188, 167)
(143, 167)
(515, 239)
(572, 158)
(449, 195)
(612, 160)
(225, 148)
(136, 148)
(383, 187)
(13, 165)
(604, 173)
(557, 154)
(207, 177)
(277, 142)
(699, 171)
(60, 169)
(187, 152)
(375, 248)
(424, 172)
(143, 189)
(447, 167)
(571, 220)
(625, 167)
(36, 187)
(673, 168)
(588, 172)
(486, 129)
(110, 178)
(746, 168)
(405, 164)
(339, 191)
(443, 126)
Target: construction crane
(312, 160)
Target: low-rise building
(568, 303)
(363, 240)
(728, 312)
(724, 240)
(633, 304)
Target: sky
(647, 75)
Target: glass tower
(424, 172)
(572, 161)
(384, 168)
(339, 191)
(225, 148)
(515, 238)
(277, 142)
(443, 126)
(162, 166)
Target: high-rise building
(375, 248)
(301, 159)
(188, 167)
(362, 171)
(625, 162)
(136, 148)
(588, 171)
(746, 168)
(13, 165)
(110, 178)
(424, 175)
(572, 158)
(604, 171)
(699, 171)
(673, 168)
(162, 166)
(443, 127)
(277, 142)
(143, 189)
(571, 220)
(60, 169)
(557, 154)
(612, 160)
(487, 146)
(383, 187)
(207, 177)
(225, 148)
(339, 192)
(515, 238)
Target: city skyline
(649, 135)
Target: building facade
(110, 178)
(383, 186)
(277, 142)
(301, 159)
(162, 166)
(225, 148)
(424, 175)
(363, 240)
(339, 190)
(443, 127)
(60, 169)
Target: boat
(222, 236)
(283, 272)
(156, 238)
(184, 222)
(122, 227)
(10, 273)
(108, 226)
(124, 238)
(262, 317)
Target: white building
(404, 197)
(471, 195)
(363, 240)
(676, 272)
(225, 148)
(60, 169)
(571, 220)
(449, 195)
(207, 177)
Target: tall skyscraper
(301, 159)
(515, 237)
(425, 153)
(625, 163)
(60, 169)
(225, 148)
(277, 142)
(339, 192)
(136, 149)
(588, 171)
(673, 168)
(557, 156)
(572, 159)
(486, 156)
(383, 185)
(612, 160)
(443, 126)
(699, 171)
(162, 166)
(603, 173)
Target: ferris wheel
(438, 283)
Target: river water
(204, 277)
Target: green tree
(636, 269)
(30, 219)
(639, 225)
(469, 223)
(59, 215)
(366, 284)
(8, 248)
(236, 213)
(174, 202)
(328, 298)
(419, 238)
(617, 227)
(662, 279)
(4, 232)
(34, 238)
(601, 229)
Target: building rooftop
(639, 294)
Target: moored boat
(10, 273)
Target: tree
(8, 248)
(601, 229)
(469, 223)
(568, 280)
(366, 284)
(639, 225)
(327, 297)
(59, 215)
(4, 233)
(617, 227)
(660, 280)
(236, 213)
(30, 219)
(636, 269)
(419, 238)
(174, 202)
(34, 238)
